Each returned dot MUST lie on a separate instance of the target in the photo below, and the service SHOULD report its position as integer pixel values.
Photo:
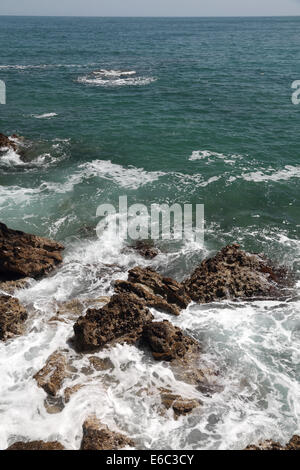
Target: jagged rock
(24, 255)
(181, 406)
(168, 342)
(52, 375)
(293, 444)
(72, 309)
(234, 274)
(36, 445)
(156, 291)
(101, 364)
(97, 436)
(69, 391)
(7, 143)
(146, 249)
(147, 295)
(121, 320)
(10, 287)
(12, 317)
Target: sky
(150, 7)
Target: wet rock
(97, 436)
(72, 309)
(52, 375)
(36, 445)
(155, 290)
(53, 405)
(293, 444)
(121, 320)
(147, 295)
(101, 364)
(7, 143)
(24, 255)
(69, 391)
(168, 342)
(146, 249)
(234, 274)
(12, 317)
(10, 287)
(181, 406)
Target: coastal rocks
(10, 287)
(162, 293)
(234, 274)
(121, 320)
(24, 255)
(181, 406)
(7, 143)
(52, 375)
(72, 309)
(12, 317)
(293, 444)
(97, 436)
(36, 445)
(146, 249)
(147, 296)
(168, 342)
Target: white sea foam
(111, 78)
(210, 156)
(44, 116)
(287, 173)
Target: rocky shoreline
(232, 274)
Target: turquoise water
(207, 118)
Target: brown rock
(24, 255)
(147, 295)
(180, 405)
(97, 436)
(235, 274)
(6, 142)
(69, 391)
(168, 342)
(36, 445)
(10, 287)
(121, 320)
(12, 317)
(146, 249)
(52, 375)
(155, 290)
(293, 444)
(101, 364)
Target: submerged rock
(293, 444)
(234, 274)
(145, 248)
(36, 445)
(168, 342)
(24, 255)
(52, 375)
(181, 406)
(12, 317)
(121, 320)
(97, 436)
(162, 293)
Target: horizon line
(148, 16)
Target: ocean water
(180, 110)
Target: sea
(163, 111)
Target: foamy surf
(44, 116)
(111, 78)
